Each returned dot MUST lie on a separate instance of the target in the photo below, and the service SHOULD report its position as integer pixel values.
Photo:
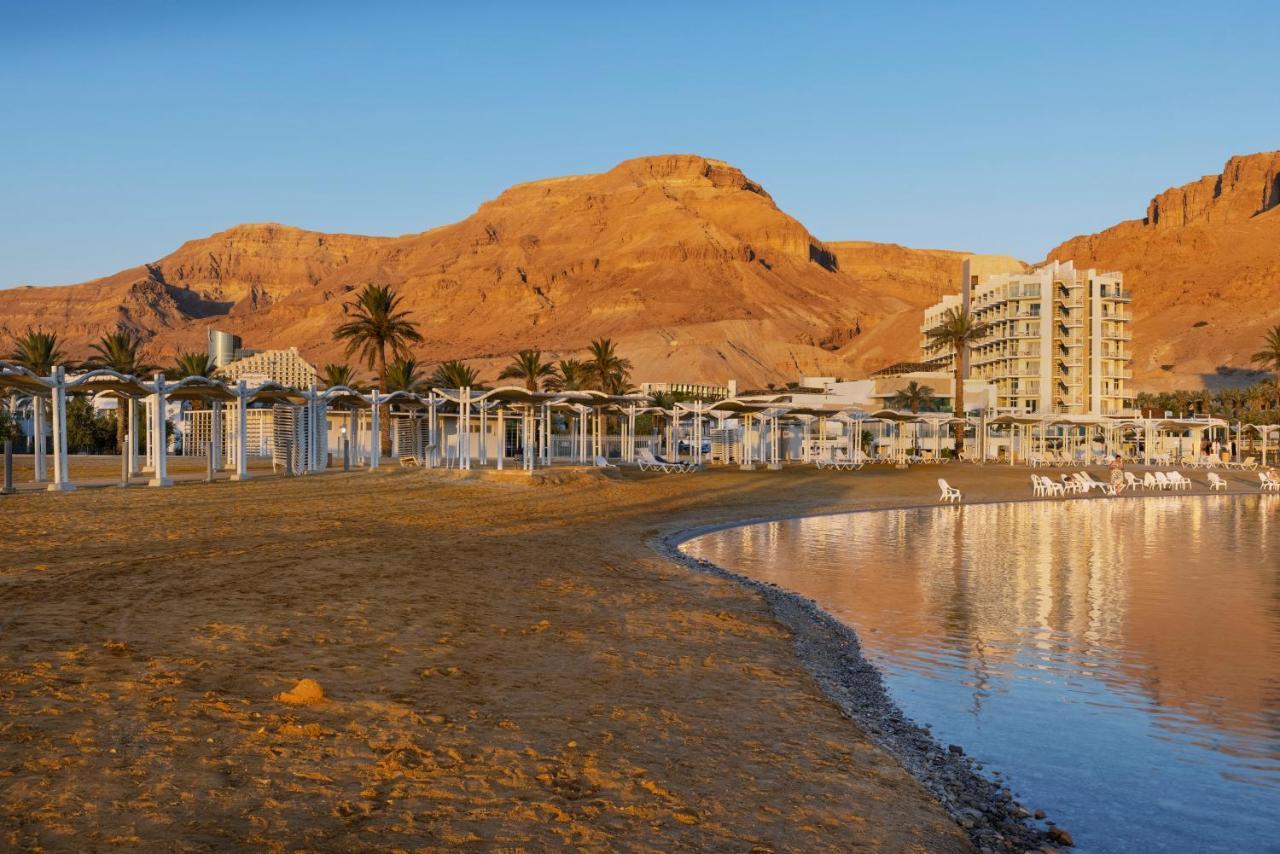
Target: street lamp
(346, 458)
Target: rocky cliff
(683, 260)
(1204, 268)
(693, 269)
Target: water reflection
(1121, 659)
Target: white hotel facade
(1058, 339)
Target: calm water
(1118, 661)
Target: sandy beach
(506, 662)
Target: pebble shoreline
(832, 653)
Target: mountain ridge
(690, 266)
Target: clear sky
(127, 128)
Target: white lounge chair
(1131, 481)
(1149, 481)
(1052, 487)
(1177, 481)
(949, 492)
(1087, 479)
(1216, 482)
(1249, 463)
(1037, 485)
(648, 462)
(1267, 484)
(1071, 484)
(602, 463)
(1162, 481)
(839, 462)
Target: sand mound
(305, 693)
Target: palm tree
(570, 375)
(609, 370)
(959, 329)
(402, 375)
(378, 324)
(528, 367)
(194, 365)
(914, 397)
(119, 351)
(37, 351)
(333, 375)
(454, 374)
(1269, 355)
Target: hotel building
(1058, 338)
(285, 367)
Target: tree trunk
(959, 406)
(384, 415)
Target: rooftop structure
(223, 347)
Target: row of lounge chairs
(1077, 482)
(1083, 482)
(1208, 462)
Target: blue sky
(130, 127)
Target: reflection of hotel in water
(1091, 599)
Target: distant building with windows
(698, 390)
(285, 367)
(1058, 339)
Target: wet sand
(505, 663)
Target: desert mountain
(695, 272)
(1204, 267)
(683, 260)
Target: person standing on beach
(1117, 474)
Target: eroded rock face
(684, 260)
(690, 266)
(1248, 186)
(1204, 268)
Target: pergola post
(375, 434)
(433, 428)
(61, 482)
(215, 435)
(148, 455)
(157, 440)
(319, 430)
(631, 441)
(242, 432)
(502, 436)
(526, 458)
(464, 430)
(131, 443)
(546, 407)
(583, 412)
(40, 466)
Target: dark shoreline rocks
(830, 650)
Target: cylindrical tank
(222, 347)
